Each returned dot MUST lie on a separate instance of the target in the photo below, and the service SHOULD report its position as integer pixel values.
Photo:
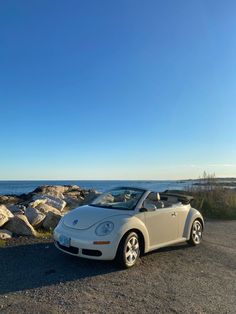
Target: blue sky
(117, 89)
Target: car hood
(85, 217)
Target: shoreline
(20, 187)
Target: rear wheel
(128, 251)
(196, 233)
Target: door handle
(173, 214)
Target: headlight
(104, 228)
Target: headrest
(153, 196)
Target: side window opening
(153, 202)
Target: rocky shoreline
(26, 214)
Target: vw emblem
(75, 222)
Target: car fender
(128, 223)
(192, 215)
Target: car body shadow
(31, 266)
(41, 264)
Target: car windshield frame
(119, 207)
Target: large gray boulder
(51, 221)
(50, 200)
(5, 215)
(20, 225)
(34, 216)
(5, 234)
(44, 208)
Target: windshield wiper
(104, 206)
(109, 206)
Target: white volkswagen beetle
(125, 223)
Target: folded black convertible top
(182, 197)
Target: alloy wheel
(197, 232)
(132, 250)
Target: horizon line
(189, 179)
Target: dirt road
(37, 278)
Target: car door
(162, 225)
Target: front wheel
(128, 251)
(196, 233)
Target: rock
(9, 199)
(51, 220)
(20, 225)
(3, 199)
(5, 215)
(73, 194)
(5, 210)
(90, 196)
(5, 234)
(51, 200)
(16, 209)
(73, 201)
(74, 188)
(51, 189)
(34, 216)
(37, 202)
(44, 208)
(58, 195)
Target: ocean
(20, 187)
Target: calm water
(19, 187)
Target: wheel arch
(192, 216)
(141, 237)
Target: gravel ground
(36, 278)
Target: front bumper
(82, 243)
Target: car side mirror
(151, 207)
(148, 208)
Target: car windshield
(120, 198)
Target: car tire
(196, 233)
(128, 251)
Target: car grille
(70, 249)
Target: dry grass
(212, 200)
(2, 243)
(44, 234)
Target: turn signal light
(101, 242)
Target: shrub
(2, 243)
(213, 199)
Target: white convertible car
(125, 223)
